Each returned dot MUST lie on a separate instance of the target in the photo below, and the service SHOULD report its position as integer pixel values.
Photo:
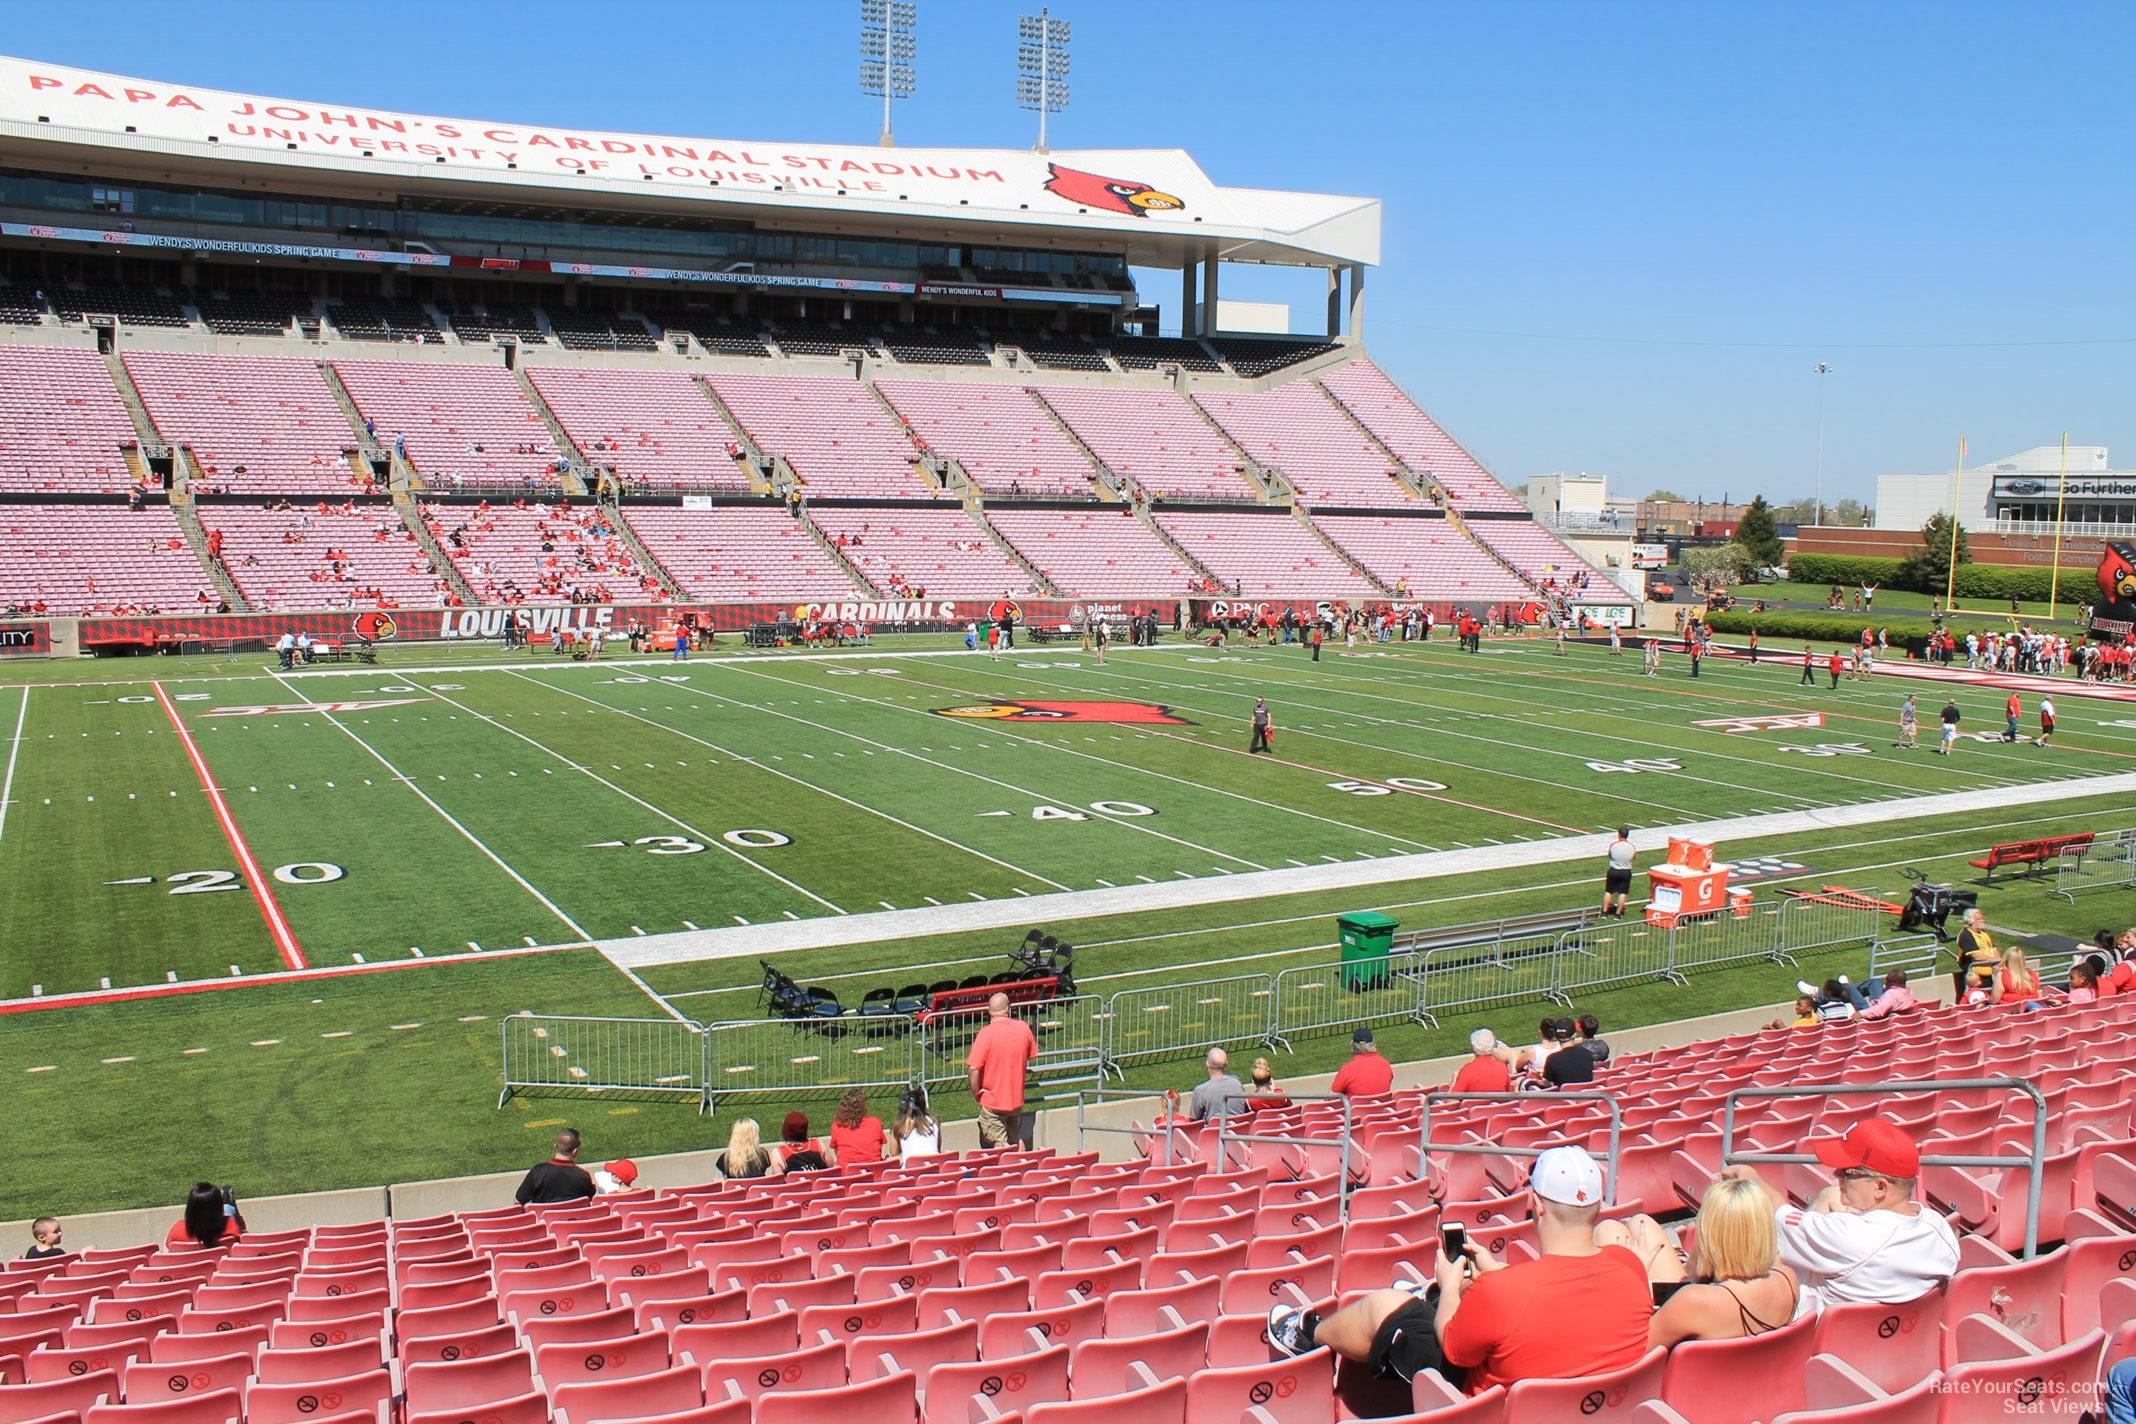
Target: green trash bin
(1367, 944)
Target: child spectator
(211, 1219)
(2083, 989)
(46, 1233)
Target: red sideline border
(86, 998)
(285, 939)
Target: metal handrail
(1225, 1136)
(1425, 1146)
(2034, 1162)
(1082, 1125)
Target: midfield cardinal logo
(1147, 714)
(376, 627)
(1113, 195)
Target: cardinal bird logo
(2117, 572)
(376, 627)
(1147, 714)
(1113, 195)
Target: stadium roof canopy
(1155, 206)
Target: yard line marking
(126, 1059)
(338, 1033)
(467, 835)
(820, 790)
(285, 940)
(694, 834)
(977, 776)
(1142, 899)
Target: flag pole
(2061, 493)
(1950, 576)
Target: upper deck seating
(652, 426)
(470, 423)
(1381, 408)
(1003, 438)
(834, 433)
(254, 423)
(1154, 438)
(61, 422)
(1097, 553)
(132, 306)
(1252, 356)
(365, 319)
(1298, 430)
(1147, 353)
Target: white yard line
(742, 942)
(784, 776)
(469, 836)
(907, 752)
(14, 750)
(705, 838)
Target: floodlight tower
(886, 52)
(1042, 67)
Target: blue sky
(1617, 237)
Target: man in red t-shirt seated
(1367, 1074)
(1581, 1309)
(1483, 1073)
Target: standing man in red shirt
(995, 1067)
(1366, 1075)
(1809, 667)
(2013, 710)
(1580, 1309)
(1836, 666)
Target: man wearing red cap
(1864, 1238)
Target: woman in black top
(745, 1155)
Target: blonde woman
(745, 1155)
(2020, 982)
(1736, 1286)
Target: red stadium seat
(1114, 1366)
(2001, 1369)
(732, 1411)
(809, 1368)
(467, 1345)
(1892, 1345)
(1607, 1397)
(892, 1399)
(1164, 1403)
(1021, 1332)
(529, 1408)
(147, 1381)
(598, 1325)
(1703, 1380)
(462, 1384)
(478, 1314)
(327, 1362)
(667, 1391)
(20, 1403)
(307, 1309)
(972, 1302)
(223, 1406)
(41, 1366)
(363, 1394)
(952, 1390)
(318, 1334)
(846, 1322)
(1293, 1391)
(576, 1361)
(757, 1335)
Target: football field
(193, 828)
(292, 908)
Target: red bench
(2031, 854)
(1035, 990)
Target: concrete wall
(1054, 1128)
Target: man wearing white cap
(1578, 1310)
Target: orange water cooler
(1690, 885)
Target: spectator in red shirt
(2121, 979)
(995, 1068)
(1483, 1073)
(856, 1134)
(1836, 666)
(1366, 1075)
(1580, 1309)
(211, 1219)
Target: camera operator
(211, 1218)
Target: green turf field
(485, 805)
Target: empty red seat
(668, 1391)
(312, 1400)
(20, 1403)
(575, 1361)
(811, 1368)
(529, 1408)
(463, 1384)
(222, 1406)
(892, 1399)
(146, 1381)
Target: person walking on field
(2046, 721)
(1950, 728)
(1319, 632)
(1809, 667)
(1617, 882)
(2012, 711)
(1102, 635)
(1260, 726)
(1909, 724)
(1836, 666)
(1753, 647)
(1616, 641)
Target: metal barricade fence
(1345, 1143)
(799, 1057)
(1335, 998)
(1071, 1036)
(1730, 936)
(1465, 976)
(1167, 1020)
(2031, 1161)
(554, 1052)
(1425, 1145)
(1609, 952)
(1822, 921)
(2108, 863)
(1918, 955)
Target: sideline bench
(2031, 854)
